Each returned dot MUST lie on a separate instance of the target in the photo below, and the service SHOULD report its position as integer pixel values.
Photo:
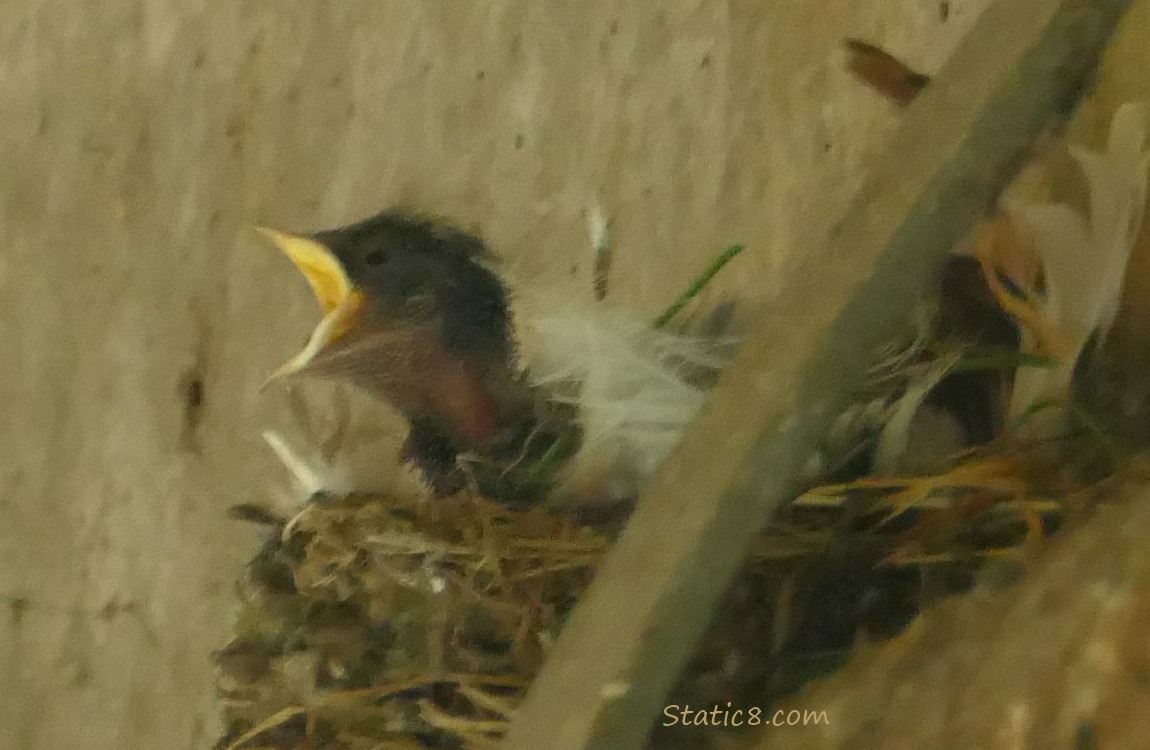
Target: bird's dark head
(395, 273)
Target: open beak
(340, 301)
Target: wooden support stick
(605, 682)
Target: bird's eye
(375, 257)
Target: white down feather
(629, 382)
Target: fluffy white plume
(631, 384)
(1084, 261)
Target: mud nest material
(369, 620)
(413, 622)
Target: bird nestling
(415, 315)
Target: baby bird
(414, 314)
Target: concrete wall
(139, 141)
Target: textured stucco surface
(139, 141)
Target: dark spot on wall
(191, 388)
(235, 127)
(519, 141)
(601, 276)
(195, 393)
(191, 393)
(17, 608)
(1084, 737)
(114, 608)
(82, 677)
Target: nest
(414, 622)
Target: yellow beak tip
(319, 265)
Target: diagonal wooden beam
(603, 685)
